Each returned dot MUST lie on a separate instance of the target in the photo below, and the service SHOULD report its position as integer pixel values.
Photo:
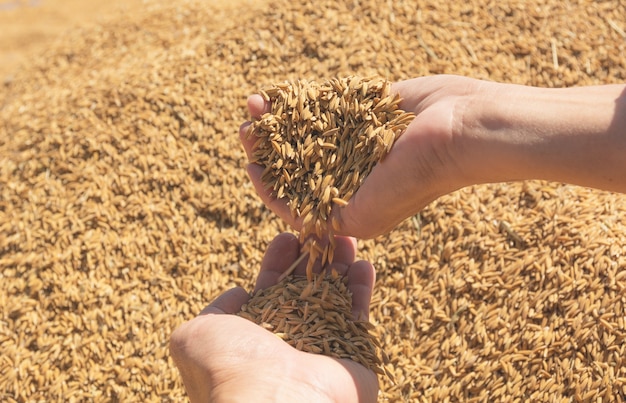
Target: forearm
(573, 135)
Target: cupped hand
(223, 357)
(423, 164)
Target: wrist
(489, 134)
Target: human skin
(225, 358)
(468, 131)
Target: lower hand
(223, 357)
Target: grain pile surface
(314, 315)
(124, 204)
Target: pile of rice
(125, 207)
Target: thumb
(229, 302)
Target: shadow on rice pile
(125, 207)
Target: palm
(257, 357)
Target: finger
(361, 279)
(278, 206)
(247, 143)
(344, 255)
(257, 106)
(281, 253)
(412, 92)
(345, 250)
(229, 302)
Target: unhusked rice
(125, 207)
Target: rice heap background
(125, 208)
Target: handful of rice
(313, 316)
(319, 142)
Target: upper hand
(422, 165)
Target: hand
(421, 166)
(223, 357)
